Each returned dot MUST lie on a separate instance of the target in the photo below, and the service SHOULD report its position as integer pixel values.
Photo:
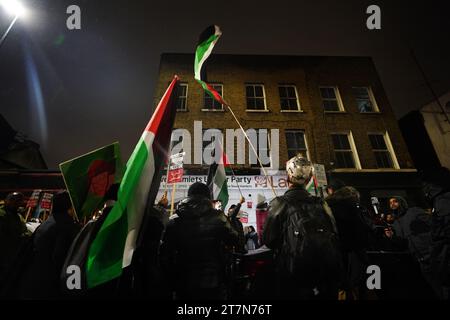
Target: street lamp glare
(13, 7)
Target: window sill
(374, 170)
(292, 111)
(250, 110)
(335, 112)
(371, 112)
(213, 110)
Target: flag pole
(167, 176)
(251, 145)
(237, 183)
(172, 202)
(28, 214)
(232, 171)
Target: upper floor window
(331, 99)
(383, 151)
(365, 99)
(181, 102)
(296, 143)
(288, 98)
(256, 98)
(209, 102)
(345, 151)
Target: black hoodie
(353, 232)
(193, 249)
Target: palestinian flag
(311, 186)
(206, 42)
(89, 177)
(217, 180)
(113, 247)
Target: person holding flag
(102, 255)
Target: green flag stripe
(102, 265)
(223, 194)
(201, 54)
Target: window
(331, 99)
(364, 99)
(288, 98)
(383, 151)
(255, 97)
(181, 102)
(210, 103)
(344, 151)
(296, 143)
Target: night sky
(74, 91)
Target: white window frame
(264, 96)
(389, 146)
(213, 110)
(186, 97)
(338, 99)
(352, 144)
(299, 107)
(371, 98)
(304, 138)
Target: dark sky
(74, 91)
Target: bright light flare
(13, 7)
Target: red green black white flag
(206, 42)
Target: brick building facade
(338, 104)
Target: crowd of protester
(310, 248)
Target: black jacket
(353, 232)
(273, 227)
(278, 210)
(440, 233)
(237, 225)
(52, 240)
(415, 228)
(320, 267)
(193, 252)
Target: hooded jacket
(353, 232)
(193, 249)
(402, 208)
(440, 233)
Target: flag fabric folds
(89, 177)
(217, 180)
(113, 247)
(206, 42)
(311, 186)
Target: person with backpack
(301, 230)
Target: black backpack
(310, 246)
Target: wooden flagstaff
(172, 201)
(28, 214)
(252, 146)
